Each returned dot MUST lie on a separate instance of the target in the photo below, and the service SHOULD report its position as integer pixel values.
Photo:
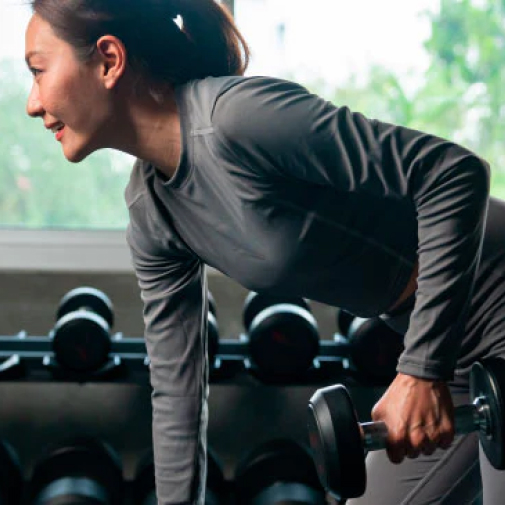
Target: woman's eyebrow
(29, 55)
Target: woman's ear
(112, 54)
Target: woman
(284, 193)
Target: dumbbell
(81, 339)
(144, 492)
(372, 347)
(212, 329)
(278, 472)
(11, 476)
(344, 320)
(282, 334)
(216, 489)
(78, 471)
(339, 442)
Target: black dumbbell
(372, 347)
(78, 471)
(339, 441)
(278, 472)
(81, 338)
(11, 476)
(344, 320)
(212, 329)
(217, 489)
(282, 335)
(212, 303)
(144, 493)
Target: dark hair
(208, 43)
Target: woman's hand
(419, 415)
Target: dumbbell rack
(31, 358)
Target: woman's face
(67, 94)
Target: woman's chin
(76, 155)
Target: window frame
(64, 250)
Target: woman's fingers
(424, 439)
(418, 414)
(411, 443)
(446, 433)
(396, 447)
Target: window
(434, 65)
(38, 187)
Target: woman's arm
(173, 292)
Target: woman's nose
(33, 106)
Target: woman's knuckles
(418, 439)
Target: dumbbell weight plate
(374, 350)
(256, 302)
(82, 459)
(216, 484)
(91, 299)
(336, 442)
(143, 490)
(212, 337)
(212, 303)
(81, 341)
(283, 341)
(270, 468)
(344, 320)
(489, 382)
(212, 329)
(11, 477)
(73, 491)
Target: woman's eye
(35, 71)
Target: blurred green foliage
(459, 97)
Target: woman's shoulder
(137, 184)
(208, 92)
(150, 229)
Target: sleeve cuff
(425, 369)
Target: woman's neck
(150, 130)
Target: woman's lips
(59, 134)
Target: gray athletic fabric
(288, 194)
(462, 473)
(484, 332)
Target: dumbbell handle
(467, 418)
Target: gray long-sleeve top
(287, 193)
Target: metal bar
(120, 344)
(374, 435)
(466, 419)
